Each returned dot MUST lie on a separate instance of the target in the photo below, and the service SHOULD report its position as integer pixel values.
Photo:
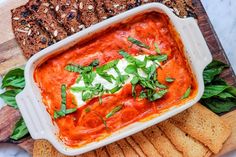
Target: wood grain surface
(11, 56)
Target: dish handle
(195, 42)
(30, 116)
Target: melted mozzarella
(122, 64)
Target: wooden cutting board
(11, 56)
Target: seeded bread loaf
(28, 34)
(46, 17)
(101, 10)
(115, 7)
(204, 125)
(67, 13)
(87, 12)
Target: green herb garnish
(63, 111)
(138, 43)
(20, 130)
(9, 97)
(169, 79)
(115, 89)
(114, 111)
(14, 78)
(87, 110)
(187, 93)
(94, 63)
(157, 49)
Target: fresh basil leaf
(159, 58)
(133, 90)
(158, 51)
(86, 95)
(131, 69)
(132, 60)
(106, 76)
(94, 63)
(225, 95)
(14, 78)
(74, 68)
(147, 83)
(9, 97)
(152, 71)
(115, 89)
(169, 79)
(138, 43)
(142, 95)
(187, 93)
(159, 85)
(213, 90)
(134, 80)
(217, 81)
(78, 89)
(20, 130)
(88, 78)
(103, 121)
(107, 66)
(62, 111)
(158, 95)
(114, 111)
(72, 110)
(232, 90)
(218, 105)
(212, 70)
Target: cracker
(145, 145)
(182, 141)
(161, 142)
(204, 125)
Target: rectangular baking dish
(39, 121)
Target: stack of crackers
(196, 132)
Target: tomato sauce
(82, 127)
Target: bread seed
(57, 8)
(16, 18)
(81, 5)
(90, 7)
(55, 33)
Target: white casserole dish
(39, 121)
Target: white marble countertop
(222, 14)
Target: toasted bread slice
(101, 152)
(127, 149)
(203, 125)
(145, 145)
(189, 146)
(114, 150)
(161, 142)
(135, 146)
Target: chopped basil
(107, 66)
(115, 89)
(134, 80)
(88, 78)
(158, 51)
(138, 43)
(74, 68)
(86, 95)
(159, 58)
(158, 95)
(187, 93)
(63, 111)
(142, 95)
(132, 60)
(94, 63)
(133, 90)
(159, 85)
(169, 79)
(114, 111)
(103, 121)
(131, 69)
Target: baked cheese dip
(129, 73)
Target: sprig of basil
(20, 130)
(9, 97)
(14, 78)
(218, 95)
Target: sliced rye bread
(204, 125)
(67, 13)
(101, 10)
(87, 11)
(28, 34)
(115, 7)
(189, 146)
(161, 142)
(46, 17)
(133, 3)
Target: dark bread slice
(28, 34)
(67, 13)
(46, 17)
(133, 3)
(101, 10)
(115, 7)
(87, 11)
